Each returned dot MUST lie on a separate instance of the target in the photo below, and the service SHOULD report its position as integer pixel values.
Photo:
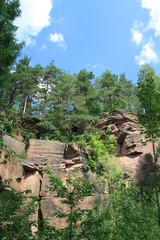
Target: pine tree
(85, 100)
(47, 84)
(63, 104)
(25, 83)
(127, 99)
(149, 97)
(9, 48)
(109, 90)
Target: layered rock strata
(29, 173)
(134, 157)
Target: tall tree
(9, 48)
(85, 100)
(34, 107)
(109, 90)
(63, 104)
(127, 99)
(26, 82)
(21, 86)
(47, 83)
(149, 97)
(116, 92)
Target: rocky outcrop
(29, 173)
(134, 157)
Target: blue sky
(118, 35)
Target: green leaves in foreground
(72, 193)
(126, 213)
(15, 211)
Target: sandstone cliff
(29, 173)
(134, 158)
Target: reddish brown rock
(134, 157)
(74, 157)
(11, 170)
(29, 173)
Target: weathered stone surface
(74, 157)
(132, 155)
(11, 170)
(29, 173)
(45, 149)
(51, 205)
(13, 144)
(32, 181)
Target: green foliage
(9, 48)
(46, 130)
(28, 131)
(46, 232)
(21, 155)
(126, 213)
(75, 190)
(10, 122)
(100, 153)
(85, 104)
(13, 124)
(116, 92)
(67, 104)
(15, 212)
(149, 97)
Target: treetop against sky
(96, 34)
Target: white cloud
(97, 66)
(147, 54)
(59, 39)
(154, 11)
(142, 34)
(137, 36)
(34, 17)
(43, 47)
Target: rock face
(29, 173)
(13, 144)
(134, 158)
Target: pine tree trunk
(30, 103)
(70, 123)
(44, 108)
(25, 104)
(12, 96)
(110, 102)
